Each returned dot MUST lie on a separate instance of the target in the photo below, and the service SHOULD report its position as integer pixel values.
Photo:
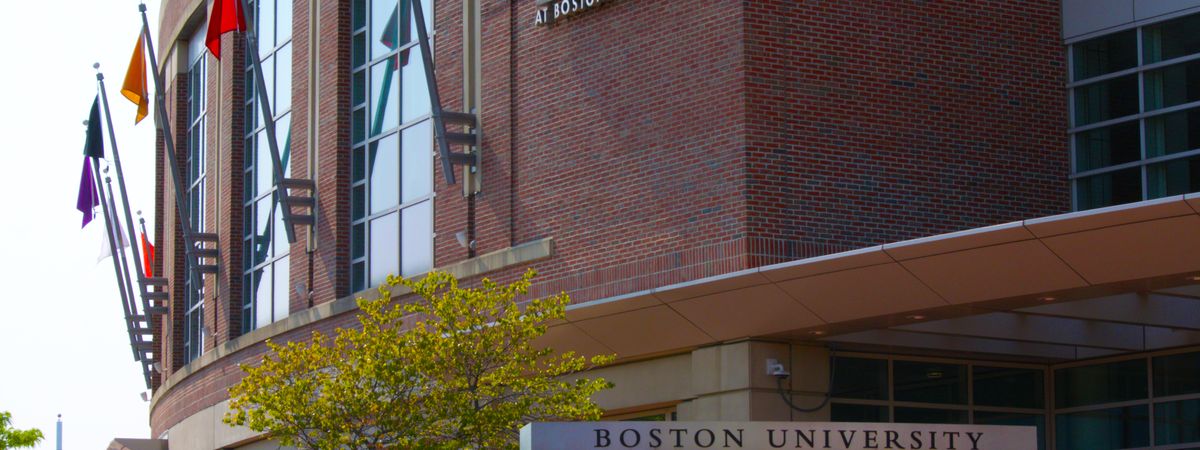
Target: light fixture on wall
(461, 237)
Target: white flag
(105, 249)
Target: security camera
(776, 369)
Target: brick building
(928, 211)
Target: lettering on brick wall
(551, 11)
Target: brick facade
(662, 142)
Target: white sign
(768, 435)
(550, 11)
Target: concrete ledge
(480, 265)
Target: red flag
(147, 256)
(226, 16)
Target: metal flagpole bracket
(283, 186)
(445, 139)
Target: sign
(768, 435)
(550, 11)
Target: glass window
(1173, 85)
(860, 378)
(1171, 39)
(1177, 422)
(1008, 387)
(1172, 133)
(1106, 100)
(1100, 383)
(1177, 374)
(1110, 188)
(265, 297)
(1104, 429)
(197, 163)
(1143, 131)
(1174, 177)
(929, 382)
(845, 412)
(392, 151)
(1103, 147)
(1105, 54)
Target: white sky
(63, 345)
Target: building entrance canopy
(1081, 285)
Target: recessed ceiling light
(817, 333)
(915, 317)
(1194, 278)
(1048, 299)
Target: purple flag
(89, 199)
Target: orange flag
(134, 87)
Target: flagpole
(112, 137)
(112, 228)
(135, 336)
(150, 258)
(163, 121)
(113, 250)
(269, 126)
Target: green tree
(462, 372)
(13, 438)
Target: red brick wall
(877, 121)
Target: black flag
(95, 140)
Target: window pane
(1100, 383)
(263, 166)
(1108, 146)
(268, 65)
(358, 125)
(929, 382)
(384, 257)
(359, 44)
(1108, 99)
(262, 297)
(417, 167)
(358, 241)
(358, 207)
(1010, 387)
(929, 415)
(1177, 374)
(1027, 420)
(1177, 422)
(843, 412)
(384, 26)
(385, 89)
(1105, 55)
(280, 244)
(1181, 176)
(860, 378)
(283, 11)
(266, 27)
(1113, 188)
(360, 13)
(418, 239)
(416, 90)
(1173, 85)
(1173, 133)
(384, 173)
(358, 276)
(282, 101)
(358, 165)
(263, 238)
(1104, 429)
(358, 88)
(1171, 39)
(282, 288)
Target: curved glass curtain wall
(265, 248)
(392, 151)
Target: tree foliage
(13, 438)
(461, 372)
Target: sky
(63, 345)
